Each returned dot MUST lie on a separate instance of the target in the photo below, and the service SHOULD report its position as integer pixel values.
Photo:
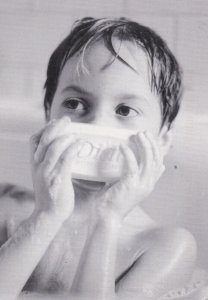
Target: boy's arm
(95, 277)
(162, 265)
(22, 252)
(51, 160)
(96, 271)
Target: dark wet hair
(165, 70)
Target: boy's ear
(165, 139)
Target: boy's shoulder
(151, 236)
(172, 241)
(170, 235)
(169, 251)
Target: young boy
(87, 238)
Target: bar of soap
(98, 158)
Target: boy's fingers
(158, 158)
(152, 159)
(131, 167)
(146, 153)
(67, 159)
(55, 150)
(159, 166)
(34, 142)
(52, 130)
(162, 170)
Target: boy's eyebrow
(77, 89)
(132, 97)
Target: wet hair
(165, 71)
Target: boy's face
(109, 93)
(106, 92)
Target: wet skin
(94, 226)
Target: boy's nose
(100, 120)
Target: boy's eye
(126, 111)
(75, 104)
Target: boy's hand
(137, 182)
(52, 152)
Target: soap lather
(98, 157)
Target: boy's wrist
(109, 218)
(46, 222)
(49, 214)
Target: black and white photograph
(103, 150)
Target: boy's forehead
(97, 59)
